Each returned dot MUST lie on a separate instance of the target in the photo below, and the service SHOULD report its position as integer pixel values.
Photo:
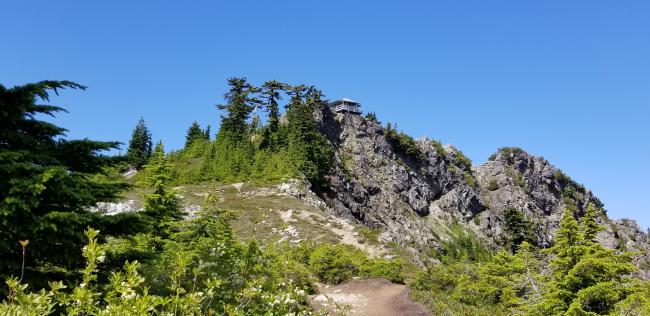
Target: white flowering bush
(127, 294)
(207, 276)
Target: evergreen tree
(589, 226)
(309, 150)
(518, 229)
(240, 104)
(163, 204)
(587, 278)
(47, 183)
(232, 154)
(195, 133)
(271, 94)
(140, 145)
(207, 133)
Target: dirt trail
(376, 297)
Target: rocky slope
(415, 198)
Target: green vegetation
(223, 259)
(439, 149)
(581, 276)
(140, 145)
(508, 152)
(368, 234)
(47, 183)
(339, 263)
(196, 134)
(371, 117)
(463, 160)
(402, 142)
(469, 179)
(462, 245)
(517, 229)
(248, 149)
(493, 185)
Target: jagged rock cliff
(415, 198)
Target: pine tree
(195, 133)
(587, 277)
(232, 155)
(163, 204)
(517, 228)
(206, 133)
(240, 104)
(589, 226)
(309, 150)
(140, 145)
(271, 94)
(47, 183)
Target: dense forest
(60, 257)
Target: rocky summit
(415, 198)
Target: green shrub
(463, 245)
(336, 263)
(507, 152)
(402, 142)
(368, 234)
(390, 269)
(469, 179)
(371, 117)
(463, 160)
(493, 185)
(439, 149)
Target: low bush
(493, 185)
(463, 160)
(402, 142)
(336, 263)
(390, 269)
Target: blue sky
(567, 80)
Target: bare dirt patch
(376, 297)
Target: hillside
(414, 198)
(317, 210)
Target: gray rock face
(415, 199)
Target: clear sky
(567, 80)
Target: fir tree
(310, 153)
(47, 184)
(240, 104)
(206, 133)
(140, 145)
(232, 154)
(518, 229)
(195, 133)
(162, 204)
(587, 278)
(271, 94)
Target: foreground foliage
(577, 276)
(46, 185)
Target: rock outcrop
(415, 198)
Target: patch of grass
(469, 179)
(368, 234)
(463, 160)
(493, 185)
(439, 149)
(507, 152)
(402, 142)
(517, 178)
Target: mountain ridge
(413, 197)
